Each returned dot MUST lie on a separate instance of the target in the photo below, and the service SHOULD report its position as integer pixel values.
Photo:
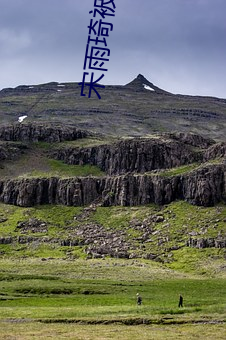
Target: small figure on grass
(180, 301)
(139, 299)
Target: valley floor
(36, 331)
(96, 299)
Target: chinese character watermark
(97, 54)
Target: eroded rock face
(10, 151)
(192, 139)
(144, 155)
(125, 163)
(35, 133)
(205, 186)
(201, 243)
(215, 151)
(131, 155)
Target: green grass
(60, 169)
(87, 142)
(56, 217)
(181, 221)
(180, 170)
(119, 217)
(36, 163)
(12, 215)
(67, 291)
(204, 261)
(80, 143)
(36, 331)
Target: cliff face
(191, 139)
(35, 133)
(125, 163)
(131, 155)
(215, 151)
(202, 187)
(11, 151)
(206, 187)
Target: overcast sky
(179, 45)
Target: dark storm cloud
(177, 44)
(50, 24)
(41, 40)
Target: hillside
(129, 172)
(136, 109)
(100, 200)
(101, 196)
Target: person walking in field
(139, 299)
(180, 301)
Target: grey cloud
(179, 44)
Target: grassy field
(38, 331)
(96, 299)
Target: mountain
(100, 199)
(138, 108)
(140, 83)
(123, 176)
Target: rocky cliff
(205, 186)
(132, 155)
(37, 132)
(11, 151)
(191, 139)
(215, 151)
(133, 167)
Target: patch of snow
(59, 90)
(31, 87)
(61, 85)
(21, 118)
(148, 87)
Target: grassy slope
(35, 162)
(119, 112)
(181, 219)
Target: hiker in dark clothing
(139, 299)
(180, 301)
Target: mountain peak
(140, 83)
(141, 77)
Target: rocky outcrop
(205, 186)
(33, 225)
(191, 139)
(131, 155)
(215, 151)
(98, 241)
(201, 243)
(125, 163)
(35, 133)
(11, 151)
